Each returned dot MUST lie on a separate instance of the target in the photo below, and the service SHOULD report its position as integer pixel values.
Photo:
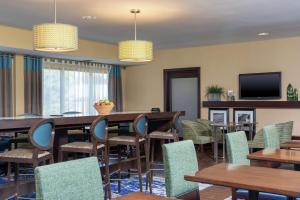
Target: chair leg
(233, 193)
(51, 161)
(138, 162)
(8, 170)
(107, 178)
(16, 171)
(147, 154)
(60, 156)
(119, 168)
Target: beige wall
(220, 64)
(21, 38)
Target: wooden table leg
(253, 195)
(216, 144)
(61, 137)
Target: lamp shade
(55, 37)
(135, 51)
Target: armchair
(200, 132)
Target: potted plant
(214, 93)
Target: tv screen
(260, 85)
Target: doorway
(182, 91)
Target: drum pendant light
(135, 50)
(55, 37)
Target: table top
(25, 122)
(141, 196)
(290, 144)
(278, 181)
(276, 155)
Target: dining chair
(285, 129)
(70, 180)
(237, 151)
(171, 135)
(78, 134)
(180, 159)
(271, 137)
(140, 137)
(199, 131)
(237, 148)
(41, 137)
(21, 137)
(99, 142)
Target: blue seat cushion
(262, 195)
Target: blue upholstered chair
(140, 127)
(41, 137)
(71, 180)
(180, 159)
(237, 150)
(271, 137)
(98, 132)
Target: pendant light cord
(135, 26)
(55, 11)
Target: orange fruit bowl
(104, 109)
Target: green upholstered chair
(237, 148)
(271, 137)
(70, 180)
(180, 159)
(285, 129)
(200, 132)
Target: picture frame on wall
(244, 116)
(219, 115)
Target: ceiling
(168, 23)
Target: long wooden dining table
(156, 121)
(254, 179)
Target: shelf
(252, 104)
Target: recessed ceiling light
(89, 17)
(263, 34)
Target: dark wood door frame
(191, 72)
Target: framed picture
(244, 115)
(219, 115)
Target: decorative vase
(295, 94)
(290, 93)
(214, 97)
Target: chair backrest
(28, 115)
(179, 159)
(70, 180)
(140, 125)
(176, 123)
(71, 113)
(237, 148)
(285, 129)
(99, 129)
(271, 137)
(41, 135)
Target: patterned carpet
(127, 185)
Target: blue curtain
(115, 87)
(6, 85)
(33, 84)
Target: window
(73, 86)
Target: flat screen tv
(260, 85)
